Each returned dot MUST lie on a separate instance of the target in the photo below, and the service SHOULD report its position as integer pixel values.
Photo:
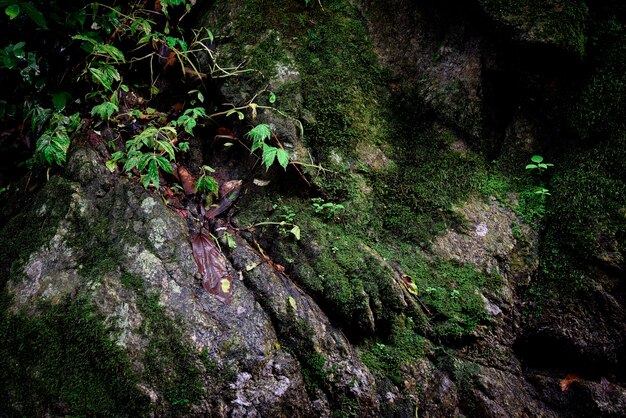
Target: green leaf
(268, 156)
(184, 146)
(164, 164)
(153, 173)
(536, 159)
(272, 98)
(12, 11)
(531, 166)
(292, 303)
(296, 232)
(260, 132)
(283, 158)
(59, 100)
(104, 110)
(111, 165)
(35, 15)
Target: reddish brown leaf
(178, 107)
(225, 134)
(187, 180)
(229, 192)
(212, 267)
(568, 380)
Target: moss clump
(62, 362)
(558, 22)
(401, 347)
(600, 107)
(585, 219)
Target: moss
(401, 347)
(585, 218)
(600, 106)
(171, 364)
(64, 362)
(558, 22)
(33, 227)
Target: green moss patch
(64, 362)
(559, 22)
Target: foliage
(205, 183)
(328, 209)
(269, 154)
(538, 164)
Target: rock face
(429, 279)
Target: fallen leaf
(212, 266)
(187, 180)
(229, 191)
(292, 302)
(568, 380)
(251, 266)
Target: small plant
(328, 209)
(259, 134)
(538, 164)
(205, 183)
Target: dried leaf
(229, 191)
(187, 180)
(261, 183)
(568, 380)
(212, 266)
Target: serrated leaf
(268, 156)
(283, 158)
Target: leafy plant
(328, 209)
(53, 144)
(205, 183)
(538, 164)
(269, 154)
